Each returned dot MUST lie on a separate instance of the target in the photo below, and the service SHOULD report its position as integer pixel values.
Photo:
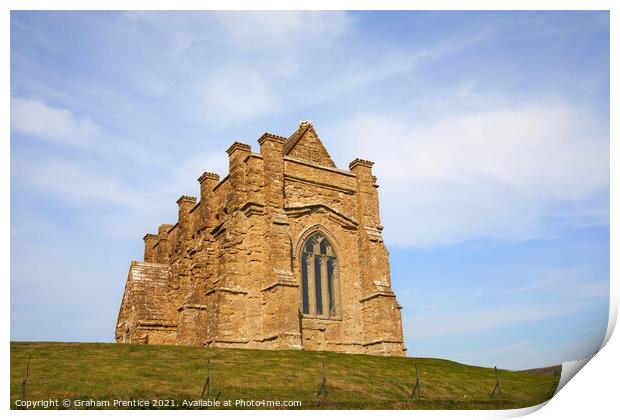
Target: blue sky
(490, 133)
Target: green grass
(131, 371)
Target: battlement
(269, 136)
(360, 162)
(186, 199)
(208, 175)
(238, 146)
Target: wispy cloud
(574, 282)
(76, 184)
(545, 294)
(126, 208)
(500, 172)
(225, 68)
(34, 118)
(228, 67)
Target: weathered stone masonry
(285, 252)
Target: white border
(313, 5)
(596, 391)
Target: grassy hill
(110, 372)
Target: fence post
(322, 394)
(496, 388)
(207, 387)
(25, 381)
(415, 392)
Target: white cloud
(474, 169)
(115, 208)
(221, 68)
(498, 173)
(34, 118)
(234, 94)
(125, 208)
(598, 289)
(77, 184)
(225, 68)
(282, 29)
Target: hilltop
(106, 371)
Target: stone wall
(145, 315)
(228, 273)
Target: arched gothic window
(319, 278)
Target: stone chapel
(284, 252)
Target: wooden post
(496, 388)
(207, 387)
(415, 392)
(25, 381)
(322, 394)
